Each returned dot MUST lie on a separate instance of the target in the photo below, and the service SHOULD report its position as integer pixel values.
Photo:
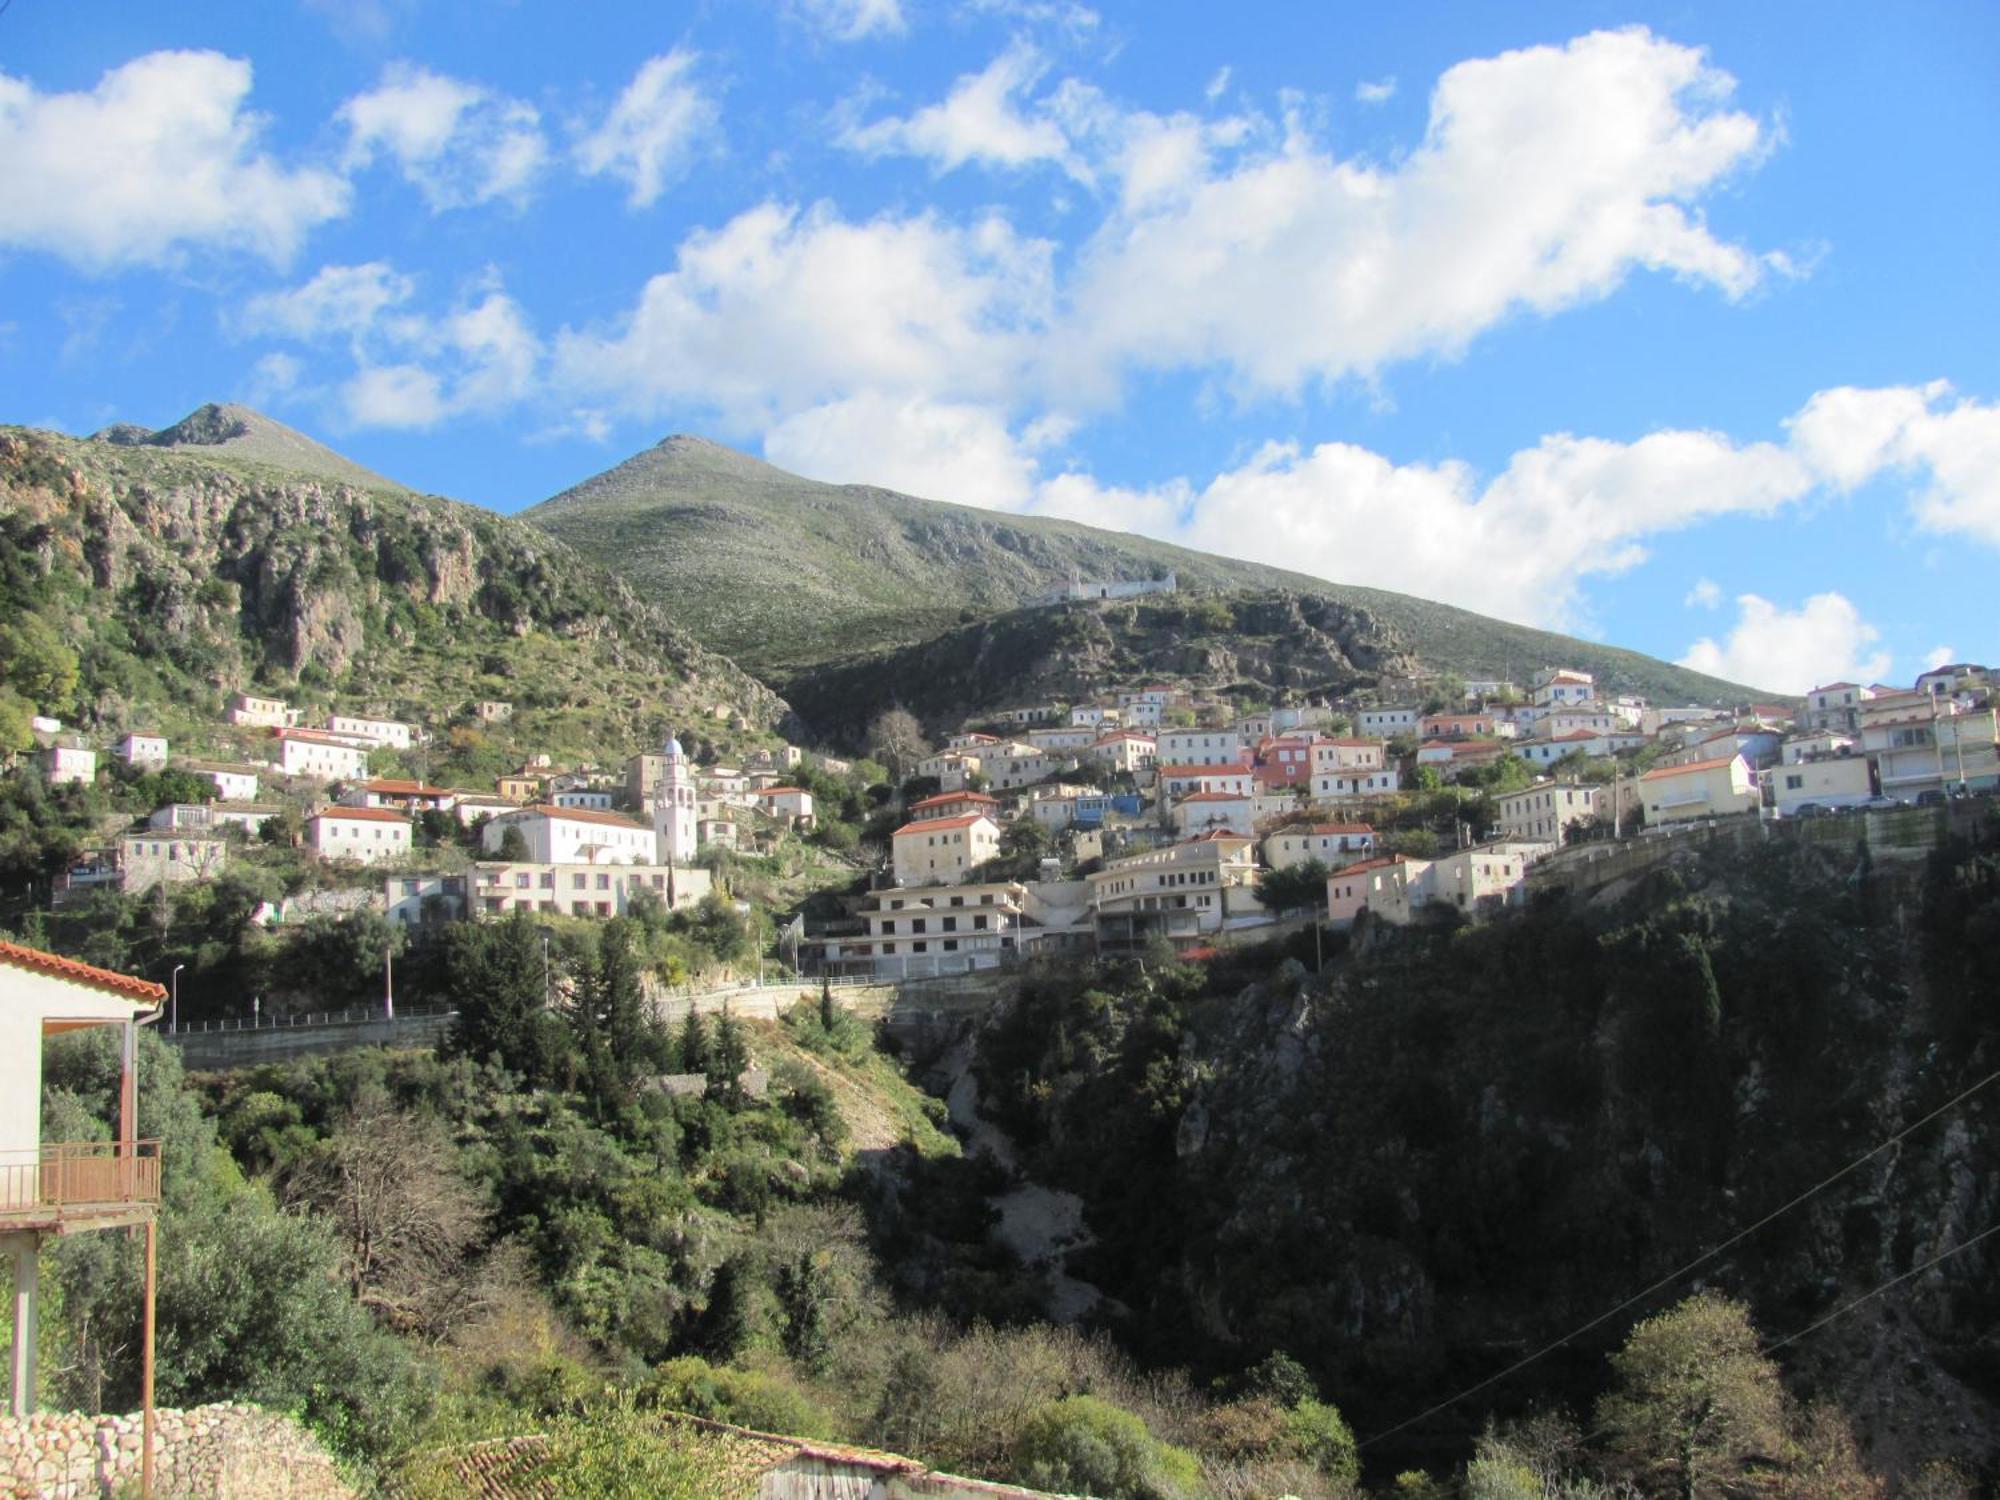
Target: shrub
(1085, 1445)
(747, 1398)
(1321, 1436)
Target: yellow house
(1705, 789)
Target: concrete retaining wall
(224, 1452)
(209, 1051)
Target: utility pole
(174, 1013)
(389, 980)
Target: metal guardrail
(354, 1015)
(69, 1179)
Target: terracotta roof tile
(55, 966)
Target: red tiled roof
(362, 814)
(1369, 864)
(317, 737)
(390, 787)
(55, 966)
(939, 825)
(1215, 797)
(1341, 828)
(944, 797)
(1235, 768)
(1700, 765)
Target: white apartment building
(250, 712)
(1933, 749)
(574, 836)
(589, 798)
(323, 757)
(1837, 706)
(571, 889)
(1545, 812)
(1009, 766)
(943, 851)
(1330, 757)
(1838, 781)
(1389, 720)
(1335, 784)
(1200, 812)
(1200, 747)
(232, 783)
(391, 732)
(1332, 844)
(1123, 750)
(144, 750)
(934, 929)
(367, 835)
(69, 765)
(1176, 781)
(1705, 789)
(1183, 892)
(1558, 687)
(1072, 738)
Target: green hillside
(141, 583)
(787, 574)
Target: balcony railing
(73, 1180)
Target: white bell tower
(674, 809)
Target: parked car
(1808, 810)
(1930, 798)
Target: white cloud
(274, 377)
(1545, 177)
(1852, 435)
(651, 131)
(936, 450)
(1791, 651)
(411, 369)
(160, 156)
(1938, 656)
(339, 300)
(779, 311)
(1706, 594)
(1380, 91)
(1218, 85)
(459, 143)
(852, 20)
(977, 122)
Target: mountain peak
(235, 431)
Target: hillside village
(1143, 815)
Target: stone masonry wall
(225, 1452)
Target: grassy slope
(785, 573)
(239, 434)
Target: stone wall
(225, 1452)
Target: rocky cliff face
(1461, 1145)
(1267, 646)
(177, 573)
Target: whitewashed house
(69, 765)
(574, 835)
(321, 756)
(943, 851)
(1332, 844)
(392, 733)
(367, 835)
(144, 751)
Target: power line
(1894, 1281)
(1698, 1261)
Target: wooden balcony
(78, 1185)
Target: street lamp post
(174, 1012)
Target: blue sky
(1672, 326)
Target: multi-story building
(1124, 750)
(422, 900)
(233, 783)
(1183, 892)
(1930, 749)
(400, 796)
(1201, 812)
(367, 835)
(573, 889)
(177, 856)
(1836, 706)
(1332, 844)
(1546, 811)
(1176, 781)
(393, 733)
(147, 751)
(933, 929)
(943, 851)
(323, 757)
(1389, 720)
(564, 836)
(1334, 785)
(1560, 687)
(1705, 789)
(1834, 781)
(1070, 737)
(250, 712)
(69, 765)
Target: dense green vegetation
(786, 574)
(1461, 1141)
